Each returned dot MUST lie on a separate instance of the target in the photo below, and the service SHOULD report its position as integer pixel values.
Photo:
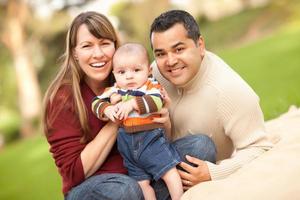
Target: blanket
(275, 175)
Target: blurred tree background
(258, 38)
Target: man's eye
(137, 70)
(159, 54)
(178, 50)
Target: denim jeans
(106, 187)
(147, 154)
(118, 186)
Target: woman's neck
(96, 86)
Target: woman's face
(94, 56)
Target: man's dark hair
(168, 19)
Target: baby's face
(131, 72)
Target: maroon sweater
(64, 139)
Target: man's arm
(241, 117)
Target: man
(207, 97)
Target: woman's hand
(193, 175)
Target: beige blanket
(274, 175)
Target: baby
(134, 99)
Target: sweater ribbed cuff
(231, 165)
(217, 172)
(141, 105)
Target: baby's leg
(148, 191)
(173, 182)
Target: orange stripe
(139, 121)
(150, 85)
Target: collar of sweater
(194, 82)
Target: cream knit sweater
(219, 103)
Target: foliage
(136, 17)
(9, 116)
(9, 124)
(244, 27)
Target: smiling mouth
(98, 65)
(176, 70)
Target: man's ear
(150, 71)
(201, 45)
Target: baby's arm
(111, 112)
(102, 107)
(115, 98)
(124, 108)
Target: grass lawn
(27, 172)
(272, 67)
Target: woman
(83, 146)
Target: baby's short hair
(134, 49)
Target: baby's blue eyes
(123, 72)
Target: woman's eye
(137, 70)
(121, 72)
(105, 42)
(85, 46)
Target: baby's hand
(115, 98)
(111, 112)
(124, 108)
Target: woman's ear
(75, 55)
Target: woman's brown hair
(70, 73)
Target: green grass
(27, 172)
(226, 31)
(272, 67)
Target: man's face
(178, 57)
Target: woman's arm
(96, 151)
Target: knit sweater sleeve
(65, 146)
(242, 121)
(152, 100)
(101, 102)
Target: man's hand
(164, 119)
(164, 113)
(193, 175)
(111, 113)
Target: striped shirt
(148, 98)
